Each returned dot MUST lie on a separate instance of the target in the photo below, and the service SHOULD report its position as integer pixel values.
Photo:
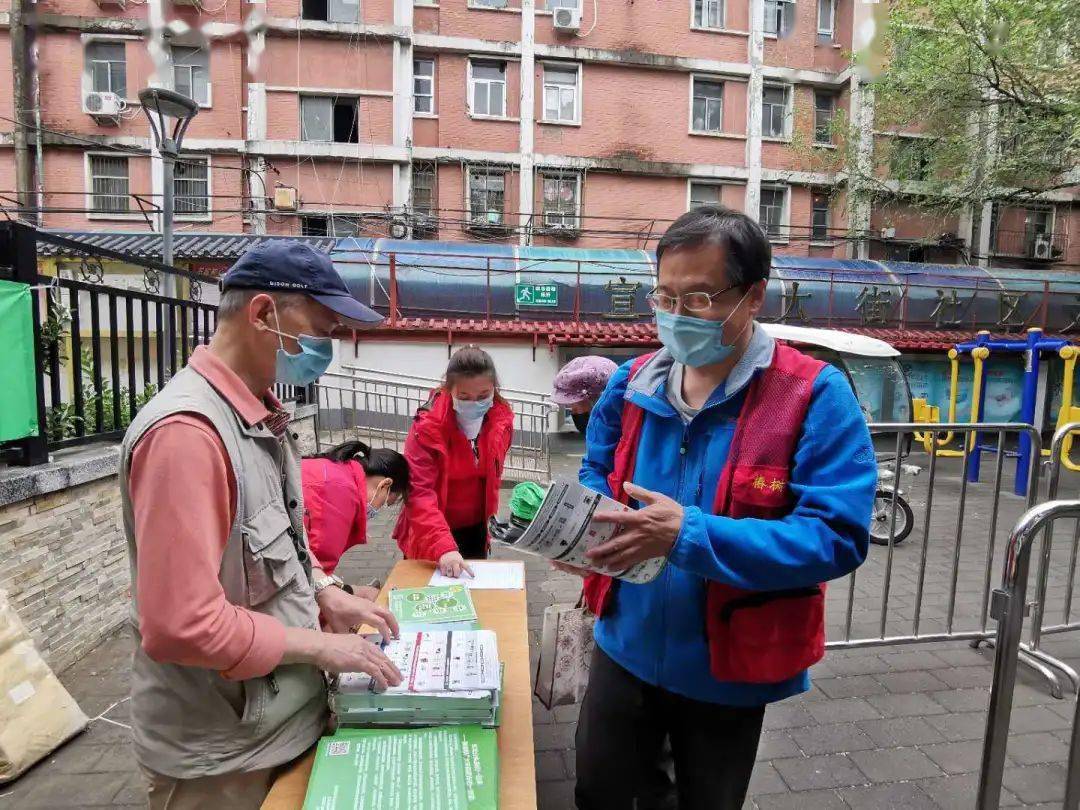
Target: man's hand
(345, 611)
(352, 653)
(570, 569)
(649, 532)
(339, 652)
(452, 564)
(366, 592)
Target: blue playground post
(1032, 357)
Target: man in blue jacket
(755, 475)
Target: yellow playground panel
(1067, 412)
(924, 412)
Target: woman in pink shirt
(343, 489)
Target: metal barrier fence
(1048, 572)
(378, 407)
(943, 591)
(1009, 607)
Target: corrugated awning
(191, 246)
(598, 333)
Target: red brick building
(528, 121)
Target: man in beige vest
(227, 680)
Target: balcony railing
(1047, 247)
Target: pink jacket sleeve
(429, 534)
(180, 536)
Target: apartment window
(488, 3)
(314, 226)
(191, 186)
(708, 108)
(819, 216)
(824, 110)
(561, 93)
(191, 73)
(330, 225)
(424, 86)
(774, 111)
(779, 17)
(109, 184)
(561, 201)
(910, 159)
(826, 18)
(329, 118)
(551, 5)
(708, 13)
(106, 63)
(487, 196)
(771, 214)
(487, 88)
(704, 194)
(344, 11)
(424, 201)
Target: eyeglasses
(692, 301)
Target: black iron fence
(107, 338)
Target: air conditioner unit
(1041, 246)
(567, 19)
(105, 108)
(285, 198)
(888, 233)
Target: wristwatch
(322, 581)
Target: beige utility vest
(188, 721)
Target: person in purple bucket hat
(579, 384)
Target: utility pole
(20, 71)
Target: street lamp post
(160, 104)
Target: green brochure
(442, 768)
(434, 604)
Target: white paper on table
(491, 576)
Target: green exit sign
(536, 295)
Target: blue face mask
(473, 409)
(695, 342)
(470, 414)
(315, 356)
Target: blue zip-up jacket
(657, 631)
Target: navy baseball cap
(292, 266)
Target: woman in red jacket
(456, 449)
(343, 489)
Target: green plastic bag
(525, 500)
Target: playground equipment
(1067, 413)
(1033, 401)
(925, 412)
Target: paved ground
(899, 726)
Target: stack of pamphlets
(450, 677)
(446, 768)
(442, 607)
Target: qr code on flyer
(340, 748)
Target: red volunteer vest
(754, 636)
